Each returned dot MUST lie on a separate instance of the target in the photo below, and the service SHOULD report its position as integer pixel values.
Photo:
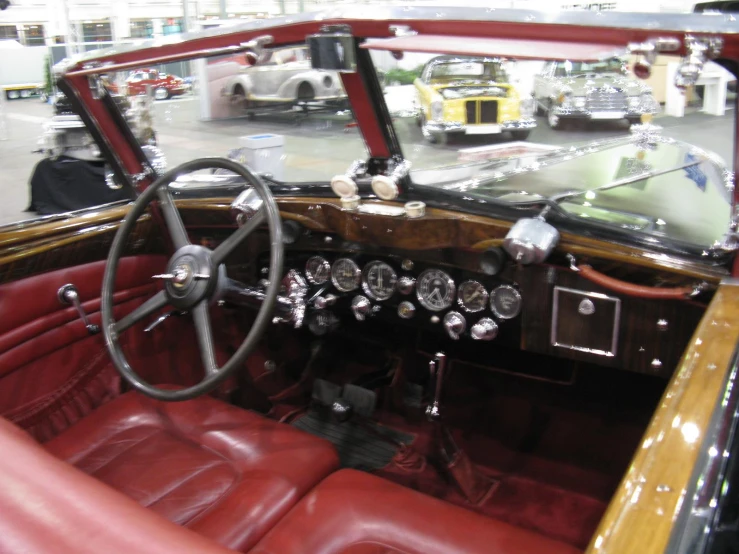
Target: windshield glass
(539, 134)
(281, 117)
(460, 70)
(574, 69)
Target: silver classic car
(283, 76)
(603, 90)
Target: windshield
(461, 70)
(534, 137)
(575, 69)
(476, 126)
(284, 119)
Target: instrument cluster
(432, 289)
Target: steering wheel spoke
(172, 218)
(229, 245)
(155, 303)
(204, 331)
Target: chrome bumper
(457, 127)
(583, 113)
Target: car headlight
(565, 97)
(437, 110)
(635, 101)
(328, 81)
(579, 101)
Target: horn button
(190, 276)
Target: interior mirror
(335, 52)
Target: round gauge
(317, 270)
(505, 301)
(435, 290)
(472, 296)
(345, 275)
(378, 280)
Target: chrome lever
(437, 367)
(68, 295)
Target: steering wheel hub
(189, 276)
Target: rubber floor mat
(358, 447)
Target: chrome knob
(361, 307)
(405, 285)
(322, 302)
(485, 329)
(455, 324)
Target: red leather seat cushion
(49, 506)
(357, 513)
(227, 473)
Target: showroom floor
(315, 148)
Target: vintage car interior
(464, 360)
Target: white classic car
(283, 76)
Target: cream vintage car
(469, 95)
(283, 76)
(591, 91)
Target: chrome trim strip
(702, 496)
(616, 322)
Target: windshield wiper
(627, 180)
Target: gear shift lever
(473, 484)
(437, 366)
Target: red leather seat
(224, 472)
(356, 513)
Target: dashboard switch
(485, 329)
(322, 302)
(455, 324)
(361, 307)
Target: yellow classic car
(464, 94)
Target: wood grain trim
(438, 229)
(44, 230)
(641, 513)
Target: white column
(157, 27)
(120, 20)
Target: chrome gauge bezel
(421, 294)
(519, 302)
(460, 296)
(356, 278)
(310, 274)
(367, 287)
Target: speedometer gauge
(435, 290)
(378, 280)
(345, 275)
(317, 270)
(472, 296)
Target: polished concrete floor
(315, 147)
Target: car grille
(482, 111)
(606, 99)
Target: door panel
(52, 371)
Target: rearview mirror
(334, 52)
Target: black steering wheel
(194, 276)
